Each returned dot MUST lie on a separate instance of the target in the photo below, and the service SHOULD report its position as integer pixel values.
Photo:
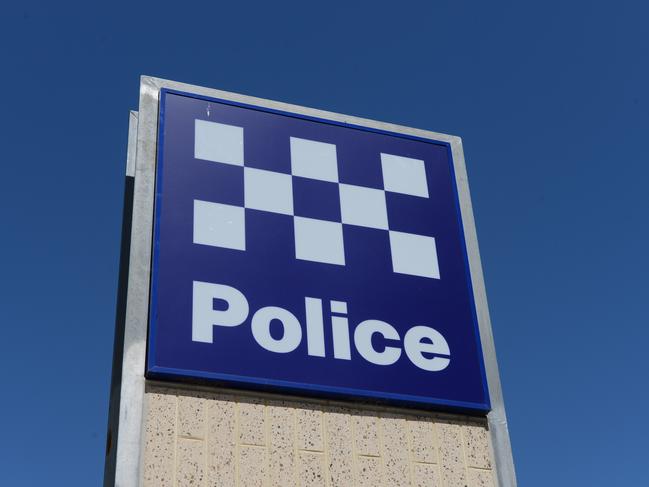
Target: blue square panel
(306, 256)
(316, 199)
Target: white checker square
(415, 255)
(268, 191)
(218, 142)
(319, 241)
(315, 160)
(219, 225)
(404, 175)
(364, 207)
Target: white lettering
(314, 327)
(340, 330)
(291, 337)
(363, 341)
(424, 346)
(204, 316)
(413, 345)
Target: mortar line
(206, 431)
(323, 452)
(175, 466)
(410, 458)
(354, 452)
(381, 439)
(438, 447)
(325, 445)
(295, 449)
(466, 463)
(264, 405)
(236, 443)
(311, 450)
(252, 445)
(192, 438)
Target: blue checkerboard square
(313, 198)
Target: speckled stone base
(203, 438)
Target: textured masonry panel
(252, 466)
(221, 441)
(280, 417)
(160, 439)
(425, 475)
(191, 417)
(396, 458)
(309, 428)
(477, 447)
(213, 439)
(366, 434)
(422, 440)
(340, 447)
(190, 464)
(480, 478)
(251, 422)
(452, 454)
(368, 471)
(311, 469)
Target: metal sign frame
(125, 435)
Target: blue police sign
(301, 254)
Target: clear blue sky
(550, 99)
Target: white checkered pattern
(316, 240)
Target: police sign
(309, 255)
